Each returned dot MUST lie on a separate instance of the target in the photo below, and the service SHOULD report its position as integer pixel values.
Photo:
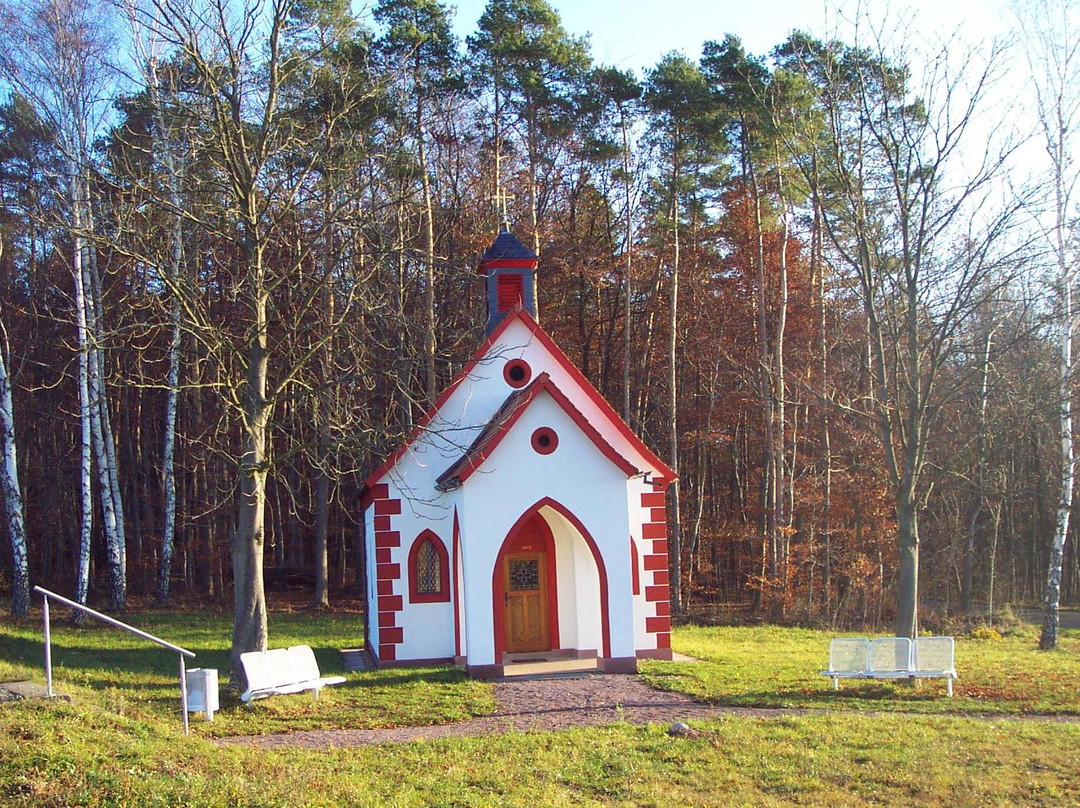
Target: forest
(239, 247)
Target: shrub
(985, 633)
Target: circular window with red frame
(517, 373)
(544, 440)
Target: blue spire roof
(506, 247)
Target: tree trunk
(1049, 638)
(82, 582)
(675, 539)
(979, 495)
(430, 382)
(100, 429)
(908, 561)
(248, 540)
(168, 470)
(9, 485)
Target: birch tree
(1051, 37)
(9, 486)
(56, 54)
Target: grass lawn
(769, 666)
(120, 742)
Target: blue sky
(637, 33)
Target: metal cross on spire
(502, 205)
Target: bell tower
(510, 273)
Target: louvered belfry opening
(510, 291)
(509, 272)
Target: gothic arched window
(429, 570)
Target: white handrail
(183, 652)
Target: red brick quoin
(387, 573)
(657, 594)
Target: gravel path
(542, 704)
(562, 703)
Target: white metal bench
(891, 658)
(281, 671)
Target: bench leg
(835, 683)
(948, 682)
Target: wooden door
(525, 599)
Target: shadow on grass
(401, 676)
(872, 695)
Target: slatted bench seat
(891, 658)
(281, 671)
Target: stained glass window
(428, 570)
(524, 575)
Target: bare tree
(265, 164)
(915, 223)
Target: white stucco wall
(584, 482)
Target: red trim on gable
(368, 489)
(666, 473)
(371, 484)
(543, 383)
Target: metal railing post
(48, 648)
(183, 692)
(183, 652)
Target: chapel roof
(506, 247)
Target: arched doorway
(525, 590)
(559, 573)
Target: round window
(517, 373)
(544, 440)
